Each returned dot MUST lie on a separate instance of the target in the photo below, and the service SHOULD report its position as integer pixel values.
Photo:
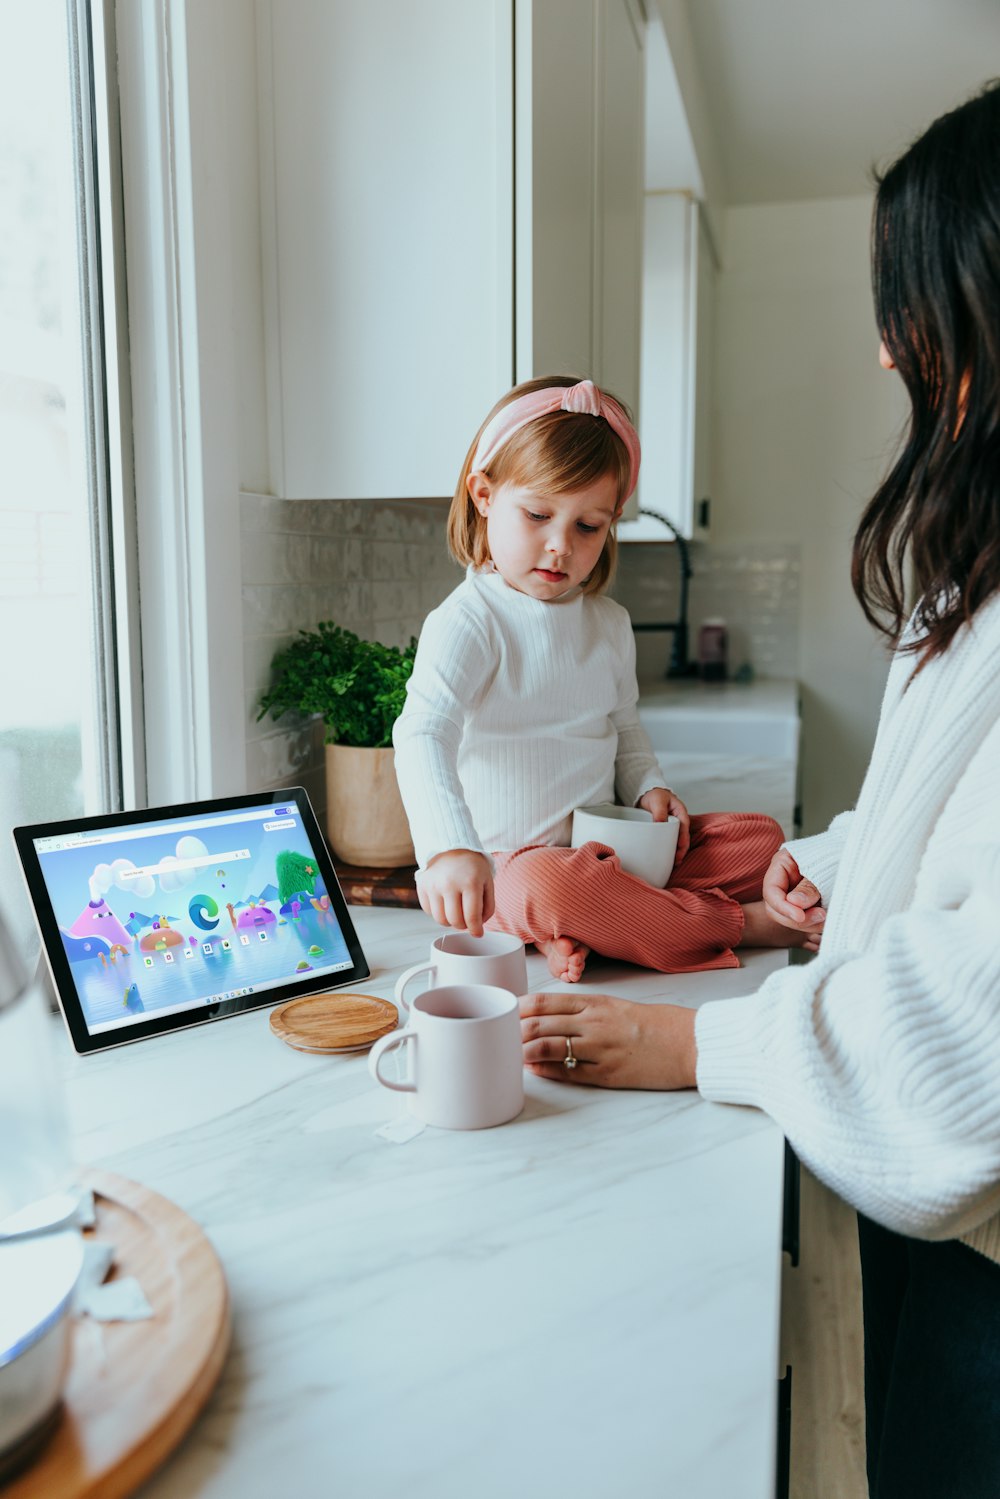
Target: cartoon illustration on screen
(177, 921)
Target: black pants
(932, 1368)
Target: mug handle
(384, 1045)
(404, 979)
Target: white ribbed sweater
(517, 711)
(880, 1060)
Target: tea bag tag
(404, 1127)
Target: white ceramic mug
(646, 848)
(465, 1067)
(456, 958)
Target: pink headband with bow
(584, 399)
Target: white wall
(804, 421)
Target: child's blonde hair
(564, 450)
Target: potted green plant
(358, 688)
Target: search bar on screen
(168, 866)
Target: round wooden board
(134, 1388)
(333, 1022)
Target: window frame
(184, 420)
(106, 363)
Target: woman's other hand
(661, 803)
(615, 1042)
(456, 889)
(791, 899)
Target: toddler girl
(522, 706)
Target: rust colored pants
(583, 893)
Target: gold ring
(569, 1060)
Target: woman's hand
(616, 1043)
(456, 889)
(661, 804)
(791, 899)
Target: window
(61, 750)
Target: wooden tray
(134, 1388)
(333, 1022)
(378, 887)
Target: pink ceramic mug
(465, 1066)
(494, 958)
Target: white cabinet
(621, 134)
(675, 380)
(579, 128)
(387, 207)
(702, 256)
(398, 305)
(554, 109)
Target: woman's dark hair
(936, 279)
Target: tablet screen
(188, 913)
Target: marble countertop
(584, 1301)
(776, 697)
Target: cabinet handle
(783, 1463)
(790, 1216)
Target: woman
(880, 1060)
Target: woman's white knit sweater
(880, 1060)
(518, 711)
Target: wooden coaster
(333, 1022)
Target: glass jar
(34, 1138)
(713, 651)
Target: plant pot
(365, 821)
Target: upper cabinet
(579, 87)
(678, 314)
(387, 209)
(702, 258)
(556, 178)
(679, 276)
(620, 132)
(399, 302)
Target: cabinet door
(554, 70)
(620, 200)
(579, 83)
(387, 200)
(678, 313)
(667, 394)
(703, 260)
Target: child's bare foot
(761, 930)
(566, 958)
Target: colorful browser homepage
(160, 917)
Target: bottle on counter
(713, 651)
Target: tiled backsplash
(374, 567)
(754, 588)
(378, 568)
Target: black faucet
(678, 665)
